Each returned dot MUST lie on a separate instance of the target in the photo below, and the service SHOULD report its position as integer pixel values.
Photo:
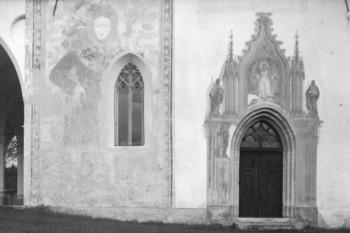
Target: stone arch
(15, 64)
(106, 105)
(11, 116)
(277, 117)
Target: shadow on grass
(41, 219)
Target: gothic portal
(266, 166)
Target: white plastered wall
(201, 30)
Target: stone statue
(225, 136)
(216, 97)
(222, 138)
(264, 81)
(312, 95)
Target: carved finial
(263, 24)
(263, 14)
(230, 48)
(296, 49)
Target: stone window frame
(130, 85)
(106, 112)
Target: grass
(43, 220)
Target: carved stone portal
(263, 85)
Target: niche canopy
(263, 69)
(263, 74)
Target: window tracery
(261, 135)
(129, 107)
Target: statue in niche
(216, 97)
(79, 73)
(312, 95)
(264, 81)
(222, 142)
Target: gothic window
(129, 107)
(261, 135)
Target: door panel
(248, 192)
(260, 184)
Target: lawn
(43, 220)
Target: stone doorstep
(14, 201)
(267, 223)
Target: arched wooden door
(260, 175)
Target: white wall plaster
(201, 39)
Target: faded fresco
(83, 40)
(85, 36)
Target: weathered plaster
(54, 171)
(74, 163)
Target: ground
(40, 219)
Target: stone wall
(73, 158)
(61, 173)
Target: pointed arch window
(129, 107)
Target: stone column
(220, 170)
(306, 164)
(19, 198)
(2, 169)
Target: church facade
(177, 111)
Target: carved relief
(37, 27)
(167, 70)
(221, 142)
(167, 37)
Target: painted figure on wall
(216, 97)
(265, 81)
(79, 74)
(312, 95)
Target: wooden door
(260, 184)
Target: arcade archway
(11, 132)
